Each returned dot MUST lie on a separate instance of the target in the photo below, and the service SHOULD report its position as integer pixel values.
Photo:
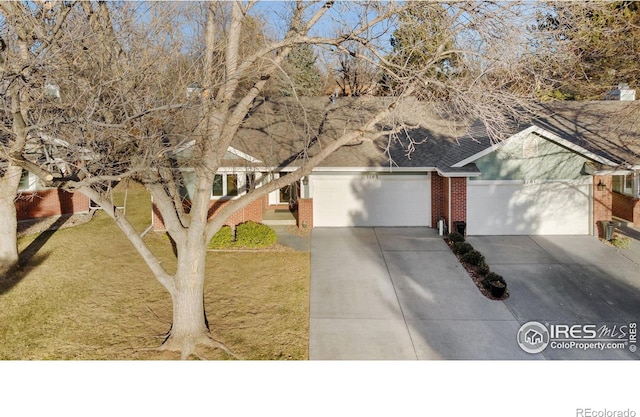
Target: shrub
(462, 247)
(483, 268)
(492, 276)
(455, 237)
(473, 258)
(223, 239)
(495, 277)
(255, 235)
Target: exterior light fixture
(601, 186)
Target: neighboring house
(37, 202)
(574, 167)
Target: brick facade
(437, 199)
(626, 207)
(48, 203)
(459, 199)
(602, 202)
(305, 213)
(448, 199)
(253, 212)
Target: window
(24, 180)
(28, 181)
(232, 185)
(225, 185)
(623, 184)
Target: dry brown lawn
(86, 294)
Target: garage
(538, 208)
(371, 199)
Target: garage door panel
(528, 209)
(376, 200)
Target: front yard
(86, 294)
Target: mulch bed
(476, 277)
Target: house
(36, 202)
(572, 168)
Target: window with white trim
(28, 181)
(623, 184)
(225, 185)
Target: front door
(289, 193)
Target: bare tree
(25, 35)
(123, 112)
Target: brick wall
(305, 213)
(253, 212)
(622, 206)
(602, 202)
(437, 198)
(442, 189)
(47, 203)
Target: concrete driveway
(399, 293)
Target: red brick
(253, 212)
(305, 213)
(51, 202)
(602, 202)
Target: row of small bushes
(469, 255)
(248, 235)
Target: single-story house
(565, 172)
(38, 202)
(35, 202)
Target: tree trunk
(8, 220)
(189, 327)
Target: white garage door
(371, 200)
(507, 208)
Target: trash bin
(460, 227)
(608, 230)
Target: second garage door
(510, 208)
(371, 200)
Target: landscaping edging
(480, 272)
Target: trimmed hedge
(222, 239)
(461, 248)
(455, 237)
(492, 276)
(255, 235)
(249, 235)
(473, 258)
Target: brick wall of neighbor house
(437, 198)
(305, 213)
(602, 202)
(47, 203)
(253, 212)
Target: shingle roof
(610, 129)
(277, 130)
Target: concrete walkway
(399, 293)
